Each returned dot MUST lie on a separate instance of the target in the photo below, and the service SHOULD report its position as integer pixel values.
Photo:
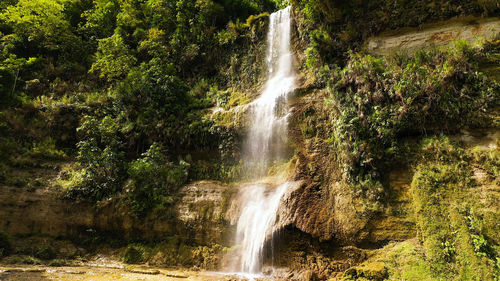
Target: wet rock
(307, 275)
(325, 213)
(141, 270)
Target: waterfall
(256, 223)
(265, 143)
(267, 132)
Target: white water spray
(266, 139)
(256, 223)
(267, 134)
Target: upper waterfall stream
(267, 132)
(265, 144)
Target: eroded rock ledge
(198, 216)
(437, 34)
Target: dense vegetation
(122, 86)
(333, 27)
(377, 102)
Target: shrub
(113, 58)
(102, 175)
(46, 149)
(133, 254)
(102, 162)
(154, 180)
(45, 252)
(5, 245)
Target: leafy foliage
(377, 100)
(154, 180)
(123, 86)
(104, 167)
(113, 58)
(39, 20)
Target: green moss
(406, 261)
(133, 254)
(253, 19)
(228, 98)
(225, 203)
(366, 271)
(238, 98)
(444, 201)
(489, 160)
(208, 257)
(204, 211)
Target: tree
(154, 180)
(114, 59)
(101, 20)
(39, 21)
(10, 67)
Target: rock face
(326, 208)
(198, 216)
(441, 33)
(24, 211)
(305, 208)
(202, 211)
(333, 214)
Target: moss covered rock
(133, 254)
(367, 271)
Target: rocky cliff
(39, 209)
(325, 226)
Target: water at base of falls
(256, 222)
(266, 139)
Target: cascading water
(256, 223)
(266, 139)
(267, 132)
